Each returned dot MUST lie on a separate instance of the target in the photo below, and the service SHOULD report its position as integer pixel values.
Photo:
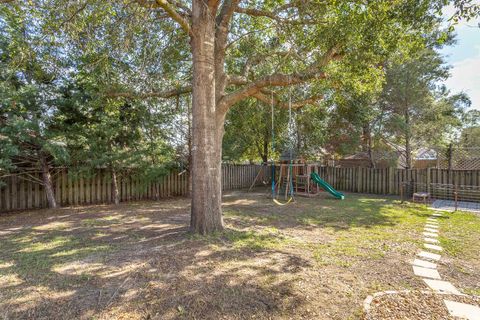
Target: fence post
(450, 156)
(428, 180)
(401, 190)
(391, 180)
(359, 179)
(455, 193)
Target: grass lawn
(460, 238)
(315, 259)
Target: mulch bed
(414, 305)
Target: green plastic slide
(325, 186)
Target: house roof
(357, 156)
(426, 154)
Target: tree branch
(226, 12)
(246, 35)
(155, 94)
(265, 98)
(213, 4)
(279, 80)
(180, 5)
(172, 12)
(252, 61)
(236, 80)
(171, 9)
(273, 16)
(275, 80)
(221, 34)
(78, 11)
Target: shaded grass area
(460, 238)
(317, 258)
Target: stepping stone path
(441, 286)
(431, 240)
(425, 264)
(430, 234)
(432, 246)
(424, 267)
(429, 255)
(426, 272)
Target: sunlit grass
(269, 238)
(30, 254)
(460, 234)
(263, 239)
(358, 228)
(49, 244)
(460, 239)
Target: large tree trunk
(47, 182)
(207, 131)
(115, 192)
(189, 140)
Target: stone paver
(441, 286)
(430, 234)
(426, 272)
(431, 230)
(429, 255)
(437, 215)
(433, 226)
(463, 310)
(432, 246)
(431, 240)
(425, 264)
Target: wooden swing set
(293, 175)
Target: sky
(464, 58)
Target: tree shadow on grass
(140, 262)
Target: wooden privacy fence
(18, 194)
(390, 180)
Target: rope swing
(289, 196)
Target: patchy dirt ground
(315, 259)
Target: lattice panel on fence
(456, 158)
